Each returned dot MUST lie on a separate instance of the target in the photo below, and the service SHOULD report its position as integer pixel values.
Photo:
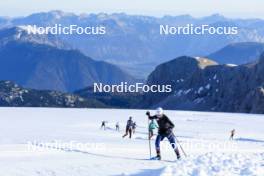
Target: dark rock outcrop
(226, 88)
(13, 95)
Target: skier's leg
(157, 145)
(126, 133)
(151, 134)
(130, 133)
(172, 141)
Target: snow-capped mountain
(134, 41)
(210, 87)
(198, 84)
(20, 34)
(38, 62)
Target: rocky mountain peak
(211, 87)
(21, 34)
(204, 62)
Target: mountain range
(40, 62)
(134, 42)
(238, 53)
(198, 84)
(227, 77)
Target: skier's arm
(149, 116)
(169, 121)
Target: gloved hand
(148, 113)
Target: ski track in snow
(204, 137)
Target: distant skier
(129, 128)
(134, 127)
(152, 127)
(232, 134)
(117, 126)
(165, 131)
(103, 125)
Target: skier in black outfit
(117, 126)
(165, 131)
(103, 125)
(129, 128)
(232, 134)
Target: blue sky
(230, 8)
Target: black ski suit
(165, 130)
(165, 124)
(129, 127)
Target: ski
(155, 158)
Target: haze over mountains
(238, 53)
(211, 82)
(134, 42)
(33, 63)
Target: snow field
(69, 142)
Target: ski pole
(149, 140)
(180, 146)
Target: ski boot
(158, 157)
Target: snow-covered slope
(69, 142)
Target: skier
(103, 125)
(232, 134)
(152, 127)
(129, 127)
(134, 127)
(117, 126)
(165, 131)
